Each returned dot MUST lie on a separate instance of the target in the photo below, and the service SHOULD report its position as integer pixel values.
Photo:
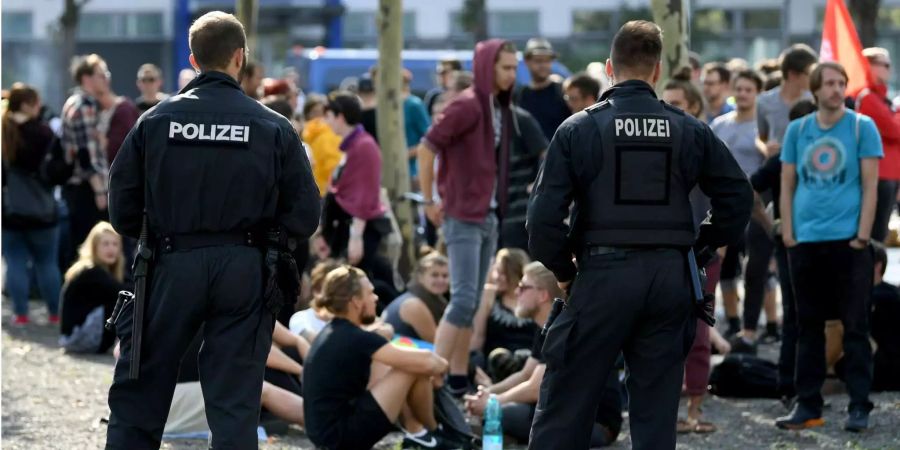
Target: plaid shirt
(80, 116)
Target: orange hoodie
(324, 144)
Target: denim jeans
(41, 248)
(470, 247)
(831, 279)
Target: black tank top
(435, 304)
(506, 330)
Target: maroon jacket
(356, 183)
(463, 138)
(123, 119)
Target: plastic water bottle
(492, 437)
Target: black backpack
(744, 376)
(453, 421)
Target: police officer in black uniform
(212, 168)
(628, 163)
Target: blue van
(322, 70)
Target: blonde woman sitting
(90, 290)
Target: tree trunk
(389, 117)
(66, 35)
(474, 19)
(865, 14)
(247, 11)
(671, 16)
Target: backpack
(452, 420)
(744, 376)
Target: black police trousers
(637, 302)
(222, 288)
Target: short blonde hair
(544, 279)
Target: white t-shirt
(306, 320)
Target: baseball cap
(539, 46)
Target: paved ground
(51, 400)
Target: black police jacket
(573, 164)
(211, 159)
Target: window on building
(762, 19)
(591, 21)
(99, 25)
(888, 18)
(17, 24)
(456, 24)
(513, 23)
(360, 24)
(364, 25)
(409, 24)
(712, 21)
(146, 25)
(106, 26)
(627, 14)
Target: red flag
(841, 43)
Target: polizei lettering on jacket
(647, 127)
(209, 132)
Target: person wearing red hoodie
(472, 138)
(874, 102)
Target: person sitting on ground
(90, 292)
(284, 366)
(885, 313)
(355, 383)
(518, 393)
(416, 313)
(310, 318)
(187, 413)
(501, 337)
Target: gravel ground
(51, 400)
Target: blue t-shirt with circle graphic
(828, 197)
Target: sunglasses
(147, 80)
(886, 65)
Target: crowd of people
(824, 162)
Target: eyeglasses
(524, 287)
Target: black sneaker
(857, 421)
(437, 439)
(772, 335)
(800, 418)
(741, 345)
